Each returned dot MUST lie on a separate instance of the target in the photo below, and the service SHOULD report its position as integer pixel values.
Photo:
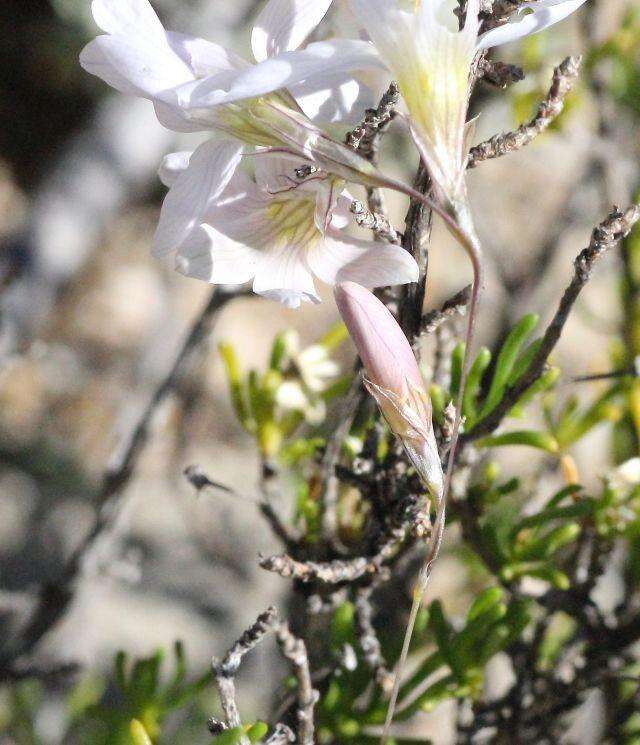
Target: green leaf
(472, 387)
(486, 600)
(530, 438)
(579, 509)
(546, 381)
(121, 671)
(230, 736)
(506, 362)
(443, 633)
(234, 381)
(457, 360)
(537, 569)
(278, 357)
(257, 731)
(546, 545)
(438, 402)
(336, 335)
(524, 361)
(139, 733)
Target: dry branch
(294, 651)
(225, 670)
(564, 77)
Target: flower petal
(284, 276)
(173, 165)
(284, 24)
(212, 257)
(314, 64)
(135, 64)
(134, 17)
(367, 263)
(210, 169)
(541, 15)
(204, 57)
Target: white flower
(431, 59)
(196, 85)
(274, 229)
(625, 476)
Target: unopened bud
(393, 378)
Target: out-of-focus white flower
(626, 476)
(431, 59)
(394, 380)
(274, 229)
(313, 363)
(314, 371)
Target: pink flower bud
(383, 348)
(394, 379)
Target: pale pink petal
(210, 169)
(381, 343)
(284, 24)
(282, 274)
(210, 256)
(368, 263)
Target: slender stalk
(465, 232)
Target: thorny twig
(225, 670)
(564, 77)
(368, 638)
(54, 599)
(295, 651)
(454, 306)
(616, 227)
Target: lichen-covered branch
(368, 638)
(377, 222)
(294, 651)
(225, 670)
(564, 77)
(366, 136)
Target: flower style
(394, 380)
(431, 59)
(274, 229)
